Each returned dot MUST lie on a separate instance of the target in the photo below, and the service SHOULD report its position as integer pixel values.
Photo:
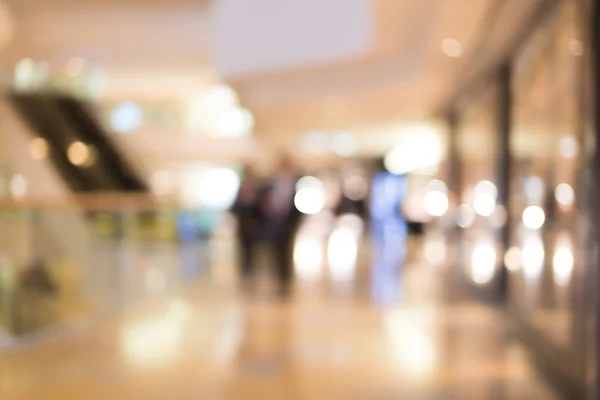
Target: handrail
(93, 202)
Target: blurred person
(388, 232)
(281, 220)
(247, 210)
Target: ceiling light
(126, 117)
(420, 147)
(236, 122)
(452, 48)
(344, 144)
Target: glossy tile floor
(341, 335)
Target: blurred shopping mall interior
(299, 199)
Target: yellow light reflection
(413, 347)
(308, 258)
(483, 262)
(533, 257)
(342, 250)
(153, 343)
(563, 261)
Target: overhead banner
(262, 36)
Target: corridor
(333, 339)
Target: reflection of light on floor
(231, 336)
(341, 254)
(308, 258)
(435, 250)
(153, 342)
(483, 262)
(562, 261)
(533, 256)
(414, 349)
(563, 265)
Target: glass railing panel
(60, 264)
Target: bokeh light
(18, 185)
(513, 258)
(533, 257)
(564, 194)
(342, 250)
(126, 117)
(309, 200)
(483, 262)
(452, 48)
(79, 154)
(308, 258)
(420, 147)
(534, 217)
(38, 149)
(568, 147)
(436, 203)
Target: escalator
(110, 160)
(62, 121)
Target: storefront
(522, 143)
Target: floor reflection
(400, 338)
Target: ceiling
(162, 48)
